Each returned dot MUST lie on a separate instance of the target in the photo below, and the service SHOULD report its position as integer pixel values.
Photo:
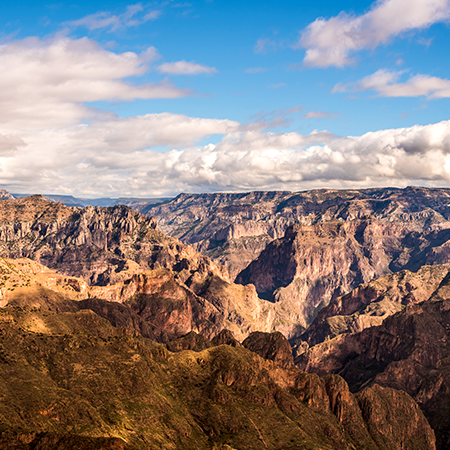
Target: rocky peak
(191, 341)
(5, 195)
(225, 337)
(273, 346)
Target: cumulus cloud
(134, 15)
(387, 84)
(185, 68)
(331, 42)
(48, 82)
(160, 154)
(47, 145)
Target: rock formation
(100, 245)
(108, 388)
(5, 195)
(302, 250)
(408, 351)
(369, 304)
(233, 229)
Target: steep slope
(409, 350)
(100, 245)
(155, 303)
(369, 304)
(123, 258)
(233, 229)
(313, 264)
(72, 377)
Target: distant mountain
(301, 250)
(69, 200)
(234, 229)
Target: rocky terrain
(100, 245)
(408, 350)
(369, 304)
(301, 250)
(233, 229)
(73, 380)
(205, 360)
(118, 255)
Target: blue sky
(118, 98)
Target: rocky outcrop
(155, 303)
(191, 341)
(409, 351)
(5, 195)
(100, 245)
(120, 256)
(225, 337)
(233, 229)
(96, 381)
(371, 303)
(272, 346)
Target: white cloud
(386, 84)
(46, 83)
(126, 156)
(46, 145)
(105, 19)
(185, 68)
(319, 115)
(331, 42)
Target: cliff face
(408, 351)
(121, 257)
(108, 388)
(314, 264)
(369, 304)
(233, 229)
(155, 303)
(100, 245)
(302, 250)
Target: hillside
(409, 350)
(71, 379)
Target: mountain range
(185, 309)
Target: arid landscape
(324, 313)
(225, 225)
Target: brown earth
(73, 379)
(409, 351)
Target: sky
(110, 99)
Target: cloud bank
(53, 141)
(47, 83)
(157, 154)
(332, 42)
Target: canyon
(217, 315)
